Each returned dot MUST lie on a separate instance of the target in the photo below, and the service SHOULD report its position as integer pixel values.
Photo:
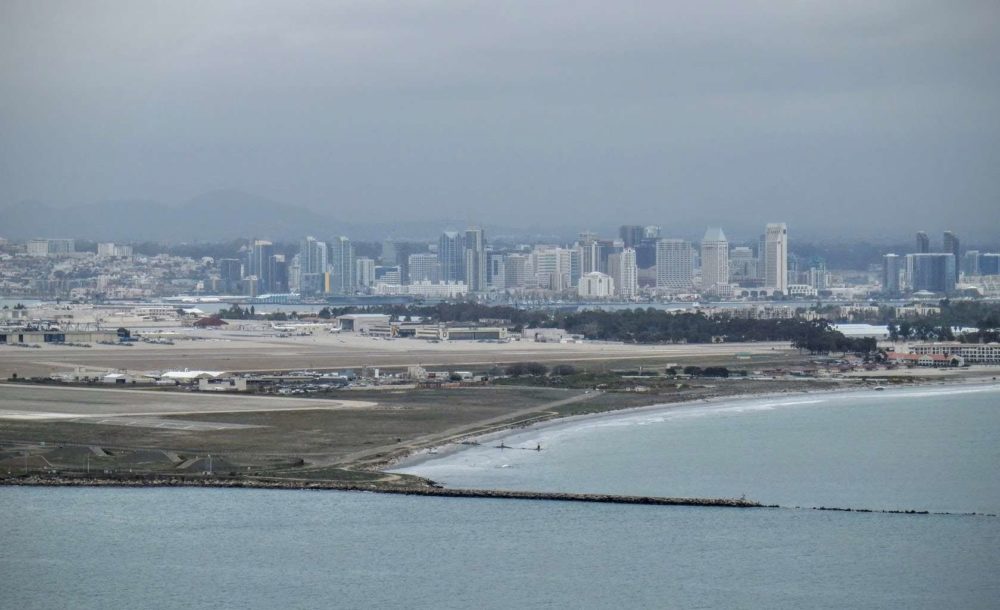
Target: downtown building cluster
(640, 262)
(938, 272)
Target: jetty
(435, 491)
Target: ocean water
(935, 449)
(205, 548)
(930, 449)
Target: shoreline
(423, 455)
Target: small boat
(879, 388)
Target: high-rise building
(674, 264)
(714, 260)
(631, 235)
(424, 268)
(776, 257)
(952, 245)
(278, 272)
(260, 266)
(931, 271)
(341, 266)
(624, 272)
(742, 264)
(230, 274)
(651, 232)
(312, 256)
(553, 267)
(517, 271)
(496, 274)
(475, 259)
(890, 274)
(451, 256)
(364, 272)
(923, 243)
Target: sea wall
(248, 483)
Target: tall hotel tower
(776, 257)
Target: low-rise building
(972, 353)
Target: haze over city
(447, 304)
(854, 119)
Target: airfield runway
(236, 351)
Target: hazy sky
(867, 114)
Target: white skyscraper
(776, 257)
(714, 261)
(341, 266)
(625, 273)
(674, 264)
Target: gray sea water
(209, 548)
(928, 448)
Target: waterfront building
(674, 264)
(776, 258)
(596, 285)
(312, 256)
(714, 261)
(423, 268)
(341, 266)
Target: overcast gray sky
(851, 115)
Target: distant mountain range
(215, 216)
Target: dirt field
(246, 430)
